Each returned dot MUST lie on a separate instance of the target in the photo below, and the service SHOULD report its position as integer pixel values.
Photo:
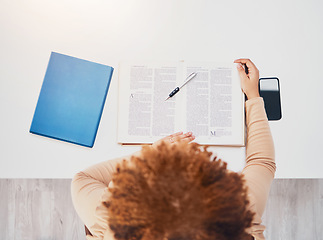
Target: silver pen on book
(176, 90)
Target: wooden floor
(41, 209)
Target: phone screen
(269, 84)
(269, 90)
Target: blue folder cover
(71, 99)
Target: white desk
(283, 38)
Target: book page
(144, 115)
(211, 105)
(215, 104)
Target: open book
(211, 105)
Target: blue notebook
(71, 99)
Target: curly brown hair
(175, 192)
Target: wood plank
(7, 219)
(33, 209)
(294, 209)
(66, 223)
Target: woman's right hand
(250, 81)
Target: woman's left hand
(176, 137)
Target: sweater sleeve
(260, 165)
(89, 188)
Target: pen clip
(193, 73)
(189, 77)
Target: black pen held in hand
(176, 90)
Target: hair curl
(175, 192)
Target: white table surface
(283, 38)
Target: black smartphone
(269, 90)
